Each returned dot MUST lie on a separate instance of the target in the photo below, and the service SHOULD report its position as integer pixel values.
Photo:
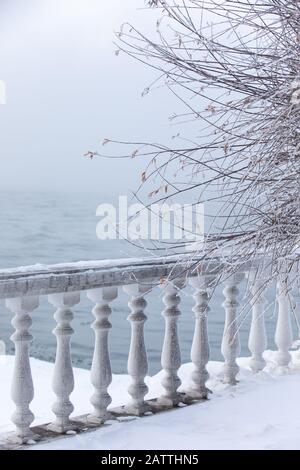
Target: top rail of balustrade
(68, 277)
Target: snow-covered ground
(261, 412)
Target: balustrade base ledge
(84, 423)
(93, 419)
(59, 429)
(199, 395)
(140, 411)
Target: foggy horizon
(68, 91)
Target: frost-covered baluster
(101, 369)
(137, 358)
(257, 338)
(22, 386)
(296, 304)
(63, 378)
(231, 343)
(283, 333)
(200, 346)
(171, 357)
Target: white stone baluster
(257, 338)
(296, 298)
(101, 369)
(22, 390)
(171, 357)
(63, 378)
(230, 342)
(137, 358)
(200, 346)
(283, 333)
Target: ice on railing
(96, 264)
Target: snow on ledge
(261, 412)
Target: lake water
(46, 228)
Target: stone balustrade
(100, 281)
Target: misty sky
(67, 91)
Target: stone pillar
(22, 390)
(137, 358)
(101, 376)
(63, 378)
(231, 344)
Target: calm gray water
(54, 227)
